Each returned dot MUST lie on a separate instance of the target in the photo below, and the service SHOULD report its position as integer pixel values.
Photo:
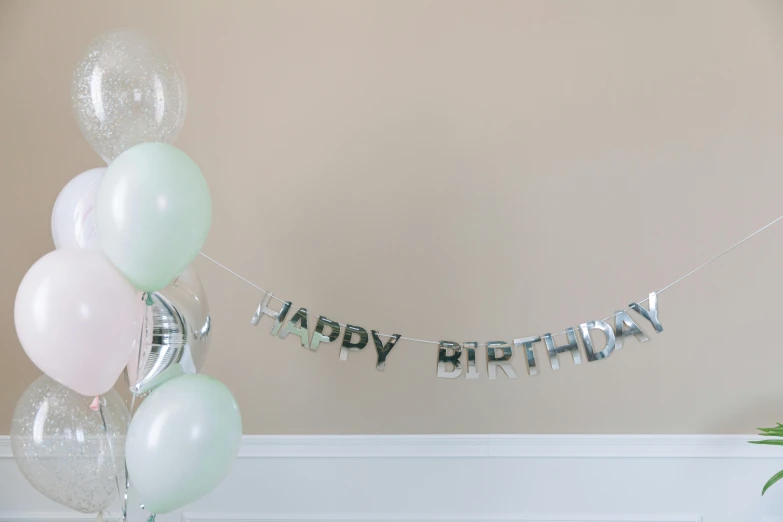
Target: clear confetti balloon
(127, 91)
(69, 448)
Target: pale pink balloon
(78, 319)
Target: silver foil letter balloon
(651, 314)
(177, 336)
(471, 347)
(587, 340)
(449, 354)
(290, 327)
(349, 345)
(527, 344)
(498, 356)
(383, 349)
(318, 334)
(623, 326)
(263, 309)
(554, 350)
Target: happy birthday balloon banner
(449, 364)
(615, 329)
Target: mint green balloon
(152, 213)
(182, 442)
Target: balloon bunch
(119, 294)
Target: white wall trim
(469, 478)
(503, 446)
(495, 446)
(458, 517)
(455, 517)
(46, 516)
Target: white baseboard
(468, 478)
(24, 516)
(494, 446)
(506, 446)
(230, 517)
(206, 517)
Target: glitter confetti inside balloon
(127, 91)
(65, 449)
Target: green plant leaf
(768, 441)
(777, 476)
(774, 428)
(771, 432)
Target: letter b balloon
(182, 442)
(153, 214)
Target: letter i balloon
(120, 294)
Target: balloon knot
(96, 403)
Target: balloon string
(127, 477)
(113, 456)
(670, 285)
(147, 299)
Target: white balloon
(73, 216)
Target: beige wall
(459, 170)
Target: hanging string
(111, 451)
(142, 338)
(662, 290)
(311, 314)
(732, 247)
(127, 477)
